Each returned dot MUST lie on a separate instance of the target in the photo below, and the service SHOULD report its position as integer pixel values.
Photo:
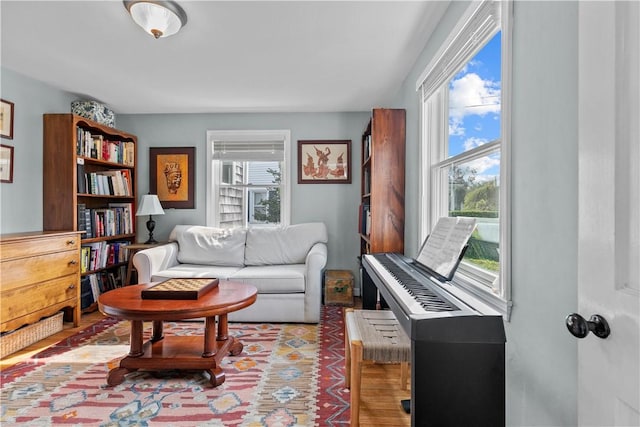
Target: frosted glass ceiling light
(158, 18)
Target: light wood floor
(381, 391)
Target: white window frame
(481, 21)
(218, 136)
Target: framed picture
(6, 119)
(6, 163)
(324, 162)
(172, 176)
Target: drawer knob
(71, 242)
(73, 262)
(72, 286)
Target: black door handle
(580, 328)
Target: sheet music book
(444, 247)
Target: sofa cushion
(195, 270)
(282, 245)
(209, 245)
(273, 279)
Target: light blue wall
(541, 355)
(334, 204)
(21, 201)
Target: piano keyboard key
(426, 298)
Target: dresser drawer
(15, 249)
(21, 272)
(30, 299)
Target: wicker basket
(27, 335)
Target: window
(465, 146)
(247, 178)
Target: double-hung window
(247, 178)
(465, 145)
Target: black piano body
(457, 351)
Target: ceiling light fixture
(158, 18)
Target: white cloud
(470, 95)
(483, 164)
(470, 143)
(456, 128)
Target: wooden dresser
(39, 276)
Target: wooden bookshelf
(89, 184)
(381, 216)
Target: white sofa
(285, 264)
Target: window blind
(249, 150)
(483, 21)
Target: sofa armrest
(315, 262)
(150, 261)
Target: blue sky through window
(474, 107)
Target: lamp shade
(158, 18)
(149, 205)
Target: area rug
(286, 375)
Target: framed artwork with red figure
(324, 161)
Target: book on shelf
(97, 146)
(87, 226)
(86, 293)
(82, 218)
(81, 177)
(114, 220)
(366, 187)
(108, 183)
(366, 151)
(125, 220)
(100, 255)
(95, 286)
(85, 258)
(365, 219)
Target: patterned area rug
(286, 375)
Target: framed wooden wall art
(172, 176)
(6, 119)
(324, 161)
(6, 163)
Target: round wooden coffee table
(177, 352)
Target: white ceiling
(232, 56)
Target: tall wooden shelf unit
(64, 166)
(382, 190)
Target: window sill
(472, 293)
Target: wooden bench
(372, 335)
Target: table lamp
(150, 205)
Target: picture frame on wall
(172, 176)
(6, 163)
(6, 119)
(324, 161)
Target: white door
(609, 211)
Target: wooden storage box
(338, 287)
(27, 335)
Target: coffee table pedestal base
(178, 352)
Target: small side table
(132, 249)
